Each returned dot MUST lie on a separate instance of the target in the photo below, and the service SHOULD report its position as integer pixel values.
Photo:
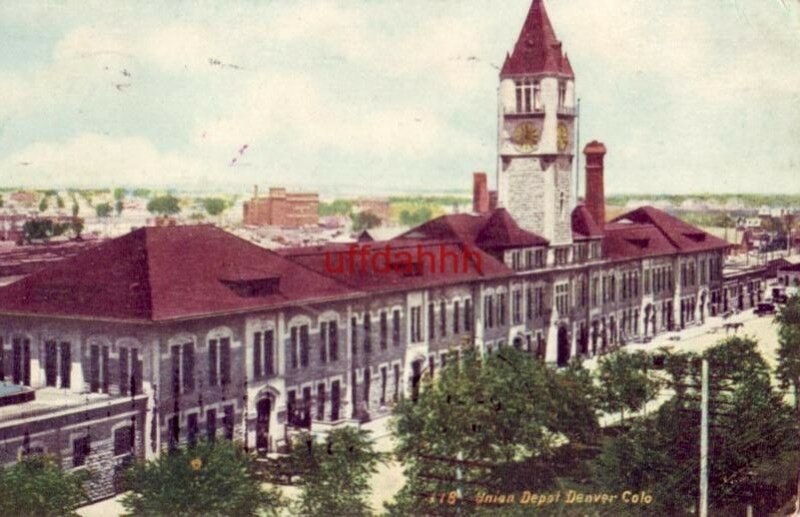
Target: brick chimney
(595, 189)
(480, 193)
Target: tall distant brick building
(281, 208)
(174, 333)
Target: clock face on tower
(525, 137)
(562, 137)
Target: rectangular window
(257, 355)
(321, 401)
(354, 335)
(468, 315)
(383, 385)
(396, 395)
(191, 429)
(213, 362)
(431, 322)
(269, 353)
(396, 327)
(211, 425)
(291, 407)
(501, 309)
(175, 366)
(488, 312)
(294, 344)
(367, 382)
(81, 448)
(174, 425)
(50, 363)
(225, 360)
(188, 367)
(456, 317)
(66, 363)
(123, 440)
(333, 341)
(306, 407)
(443, 318)
(416, 324)
(323, 342)
(134, 377)
(124, 383)
(336, 397)
(367, 333)
(304, 346)
(384, 330)
(517, 307)
(228, 421)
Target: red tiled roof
(648, 231)
(683, 236)
(492, 231)
(501, 232)
(155, 274)
(584, 225)
(537, 49)
(437, 262)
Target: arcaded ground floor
(389, 478)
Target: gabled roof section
(683, 236)
(584, 225)
(537, 49)
(501, 232)
(159, 274)
(494, 231)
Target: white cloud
(91, 160)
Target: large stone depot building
(168, 335)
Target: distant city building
(24, 198)
(282, 208)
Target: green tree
(119, 206)
(753, 440)
(119, 193)
(214, 205)
(216, 478)
(626, 383)
(37, 486)
(164, 205)
(365, 221)
(103, 209)
(506, 422)
(417, 217)
(75, 208)
(43, 204)
(788, 319)
(334, 472)
(2, 202)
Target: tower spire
(537, 48)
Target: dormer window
(537, 96)
(562, 94)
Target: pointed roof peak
(537, 48)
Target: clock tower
(536, 131)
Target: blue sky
(688, 96)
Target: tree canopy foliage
(788, 319)
(216, 478)
(365, 221)
(506, 422)
(626, 383)
(103, 209)
(334, 472)
(214, 205)
(753, 439)
(164, 205)
(37, 486)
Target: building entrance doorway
(563, 347)
(263, 414)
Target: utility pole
(704, 442)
